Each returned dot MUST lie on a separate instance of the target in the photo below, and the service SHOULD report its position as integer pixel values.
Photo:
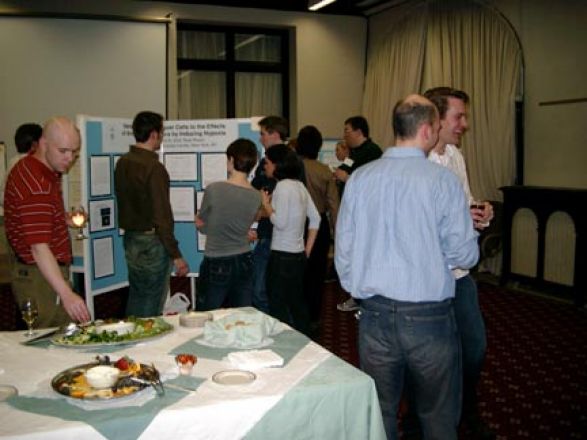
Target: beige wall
(328, 61)
(553, 35)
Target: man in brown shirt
(144, 212)
(322, 188)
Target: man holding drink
(452, 108)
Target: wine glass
(30, 312)
(79, 217)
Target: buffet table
(314, 394)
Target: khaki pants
(28, 282)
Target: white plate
(234, 377)
(7, 391)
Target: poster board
(194, 155)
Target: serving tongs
(68, 330)
(149, 377)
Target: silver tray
(65, 383)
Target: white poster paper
(100, 176)
(199, 198)
(116, 135)
(182, 166)
(201, 237)
(182, 203)
(103, 256)
(102, 215)
(213, 168)
(206, 135)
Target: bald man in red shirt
(36, 226)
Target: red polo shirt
(34, 211)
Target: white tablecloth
(212, 412)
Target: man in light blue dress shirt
(403, 223)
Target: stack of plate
(194, 319)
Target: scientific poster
(182, 203)
(202, 135)
(213, 168)
(100, 176)
(117, 135)
(103, 253)
(102, 215)
(182, 166)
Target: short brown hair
(439, 97)
(276, 124)
(244, 155)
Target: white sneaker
(349, 305)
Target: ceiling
(339, 7)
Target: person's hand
(488, 212)
(481, 213)
(68, 220)
(266, 201)
(75, 307)
(341, 175)
(252, 235)
(181, 267)
(199, 222)
(341, 151)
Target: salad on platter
(117, 333)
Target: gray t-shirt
(228, 211)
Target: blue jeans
(420, 339)
(149, 267)
(225, 277)
(473, 339)
(261, 255)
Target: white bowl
(194, 319)
(122, 327)
(102, 376)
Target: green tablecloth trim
(317, 405)
(286, 344)
(126, 423)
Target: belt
(396, 304)
(151, 231)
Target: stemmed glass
(30, 312)
(478, 204)
(79, 217)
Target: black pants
(285, 289)
(316, 270)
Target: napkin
(241, 330)
(255, 359)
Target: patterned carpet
(534, 385)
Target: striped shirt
(34, 211)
